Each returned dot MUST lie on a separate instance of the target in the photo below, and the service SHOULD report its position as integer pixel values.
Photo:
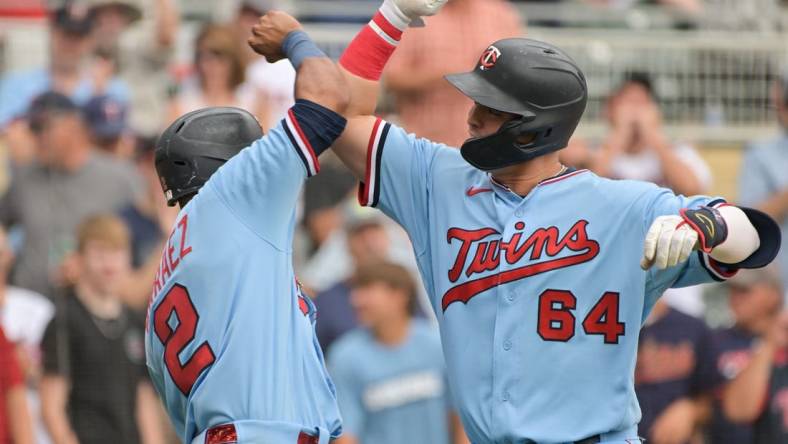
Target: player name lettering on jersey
(403, 390)
(490, 248)
(174, 252)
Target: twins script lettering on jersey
(490, 248)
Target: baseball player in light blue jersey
(389, 373)
(230, 338)
(540, 275)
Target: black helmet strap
(502, 149)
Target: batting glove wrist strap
(709, 224)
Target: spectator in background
(150, 222)
(106, 121)
(270, 84)
(220, 69)
(763, 183)
(69, 73)
(638, 148)
(68, 182)
(367, 242)
(755, 300)
(144, 46)
(23, 316)
(95, 387)
(694, 7)
(759, 394)
(397, 393)
(674, 376)
(427, 104)
(15, 424)
(324, 218)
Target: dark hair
(222, 39)
(391, 275)
(640, 78)
(46, 106)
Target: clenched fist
(270, 32)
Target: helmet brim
(474, 86)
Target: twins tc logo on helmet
(489, 58)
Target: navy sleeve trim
(369, 189)
(718, 271)
(770, 236)
(312, 129)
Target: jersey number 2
(557, 322)
(177, 300)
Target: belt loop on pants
(228, 434)
(221, 434)
(590, 440)
(319, 436)
(303, 438)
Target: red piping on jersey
(560, 178)
(720, 270)
(472, 191)
(304, 139)
(363, 191)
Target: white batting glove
(414, 9)
(669, 242)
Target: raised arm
(362, 64)
(743, 400)
(278, 36)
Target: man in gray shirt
(68, 182)
(763, 182)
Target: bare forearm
(20, 423)
(678, 175)
(346, 438)
(457, 430)
(612, 145)
(743, 397)
(703, 409)
(319, 80)
(54, 393)
(776, 206)
(59, 428)
(137, 289)
(363, 95)
(167, 22)
(149, 414)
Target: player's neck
(523, 177)
(393, 331)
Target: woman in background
(219, 71)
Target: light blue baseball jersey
(392, 394)
(229, 335)
(539, 298)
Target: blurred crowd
(84, 221)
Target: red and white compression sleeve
(367, 54)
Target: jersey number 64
(557, 322)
